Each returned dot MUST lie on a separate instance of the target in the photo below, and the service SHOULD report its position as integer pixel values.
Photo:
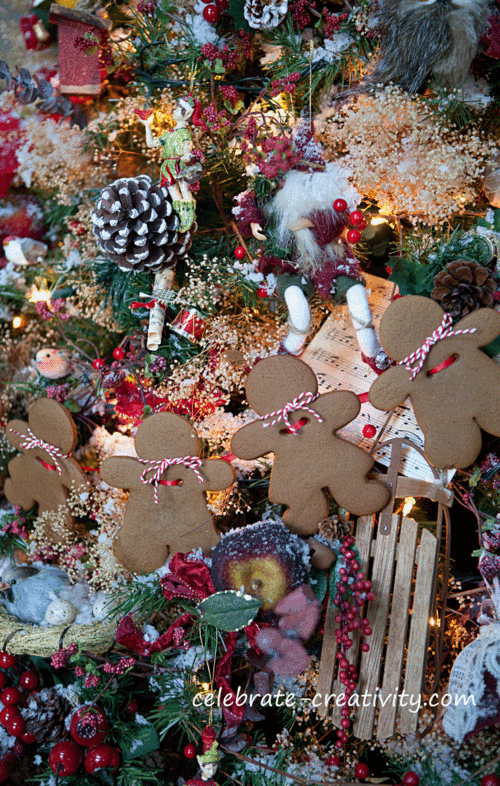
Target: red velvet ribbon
(149, 304)
(445, 364)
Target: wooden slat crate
(402, 566)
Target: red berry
(353, 236)
(222, 5)
(211, 14)
(333, 761)
(29, 680)
(6, 660)
(89, 726)
(190, 750)
(98, 363)
(411, 779)
(65, 758)
(119, 353)
(16, 727)
(100, 756)
(340, 205)
(28, 738)
(356, 217)
(369, 431)
(361, 771)
(239, 252)
(490, 780)
(362, 224)
(4, 771)
(7, 714)
(10, 696)
(262, 292)
(131, 707)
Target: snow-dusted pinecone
(265, 14)
(45, 715)
(136, 226)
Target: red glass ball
(411, 779)
(369, 431)
(28, 738)
(131, 707)
(101, 756)
(10, 696)
(119, 353)
(65, 758)
(7, 714)
(16, 727)
(29, 680)
(239, 252)
(211, 14)
(340, 205)
(222, 5)
(333, 761)
(98, 363)
(89, 726)
(490, 780)
(353, 236)
(6, 660)
(356, 217)
(190, 750)
(361, 771)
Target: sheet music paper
(335, 357)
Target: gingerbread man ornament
(166, 511)
(45, 473)
(453, 386)
(298, 426)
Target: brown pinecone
(136, 226)
(45, 715)
(265, 14)
(463, 286)
(334, 528)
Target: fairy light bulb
(17, 322)
(409, 503)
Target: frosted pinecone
(45, 715)
(136, 226)
(265, 14)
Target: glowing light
(39, 294)
(378, 220)
(434, 623)
(409, 503)
(205, 686)
(17, 322)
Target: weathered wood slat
(328, 660)
(399, 617)
(419, 629)
(371, 661)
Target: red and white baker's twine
(158, 468)
(31, 442)
(445, 330)
(299, 402)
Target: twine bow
(445, 330)
(31, 442)
(299, 402)
(158, 468)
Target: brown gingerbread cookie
(45, 473)
(166, 511)
(453, 386)
(311, 458)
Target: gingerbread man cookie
(453, 386)
(45, 473)
(167, 510)
(299, 426)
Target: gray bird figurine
(28, 591)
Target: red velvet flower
(187, 579)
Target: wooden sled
(401, 560)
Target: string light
(17, 322)
(378, 220)
(409, 503)
(39, 294)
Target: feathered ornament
(428, 37)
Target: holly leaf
(236, 11)
(318, 583)
(139, 740)
(219, 67)
(229, 610)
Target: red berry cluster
(12, 697)
(230, 57)
(275, 156)
(85, 42)
(285, 85)
(120, 667)
(299, 10)
(216, 121)
(353, 589)
(60, 658)
(148, 9)
(230, 94)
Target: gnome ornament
(309, 216)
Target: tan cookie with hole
(181, 520)
(33, 476)
(312, 459)
(453, 403)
